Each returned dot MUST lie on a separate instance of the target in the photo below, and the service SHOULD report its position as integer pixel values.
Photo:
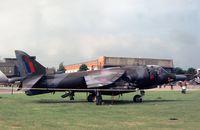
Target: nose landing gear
(138, 98)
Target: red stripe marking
(30, 63)
(151, 77)
(31, 66)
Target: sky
(72, 31)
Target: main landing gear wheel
(71, 98)
(91, 98)
(98, 98)
(137, 98)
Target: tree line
(189, 71)
(177, 70)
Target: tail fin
(28, 65)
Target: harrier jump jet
(110, 81)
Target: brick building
(9, 67)
(104, 62)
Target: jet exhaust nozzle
(180, 77)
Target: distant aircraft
(8, 81)
(110, 81)
(196, 78)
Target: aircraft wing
(103, 78)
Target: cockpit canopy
(158, 74)
(158, 69)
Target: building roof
(106, 61)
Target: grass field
(161, 110)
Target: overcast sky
(73, 31)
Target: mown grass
(160, 110)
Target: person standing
(184, 87)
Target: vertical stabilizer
(28, 65)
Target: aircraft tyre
(98, 100)
(71, 98)
(91, 98)
(137, 98)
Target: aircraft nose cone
(180, 77)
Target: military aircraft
(110, 81)
(8, 81)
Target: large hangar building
(105, 62)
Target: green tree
(179, 70)
(191, 71)
(61, 67)
(83, 67)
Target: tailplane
(27, 65)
